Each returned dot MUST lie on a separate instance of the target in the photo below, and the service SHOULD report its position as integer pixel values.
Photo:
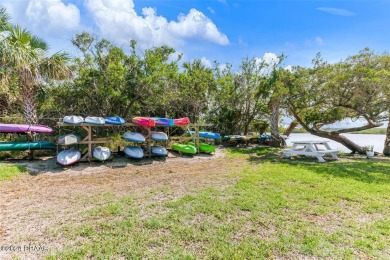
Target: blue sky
(221, 30)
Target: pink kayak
(20, 128)
(182, 121)
(144, 121)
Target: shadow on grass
(360, 169)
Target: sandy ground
(50, 196)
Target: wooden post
(197, 138)
(31, 155)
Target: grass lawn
(273, 208)
(8, 171)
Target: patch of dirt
(51, 197)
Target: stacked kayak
(133, 137)
(144, 121)
(115, 120)
(23, 146)
(184, 148)
(101, 153)
(163, 121)
(159, 151)
(159, 136)
(68, 139)
(207, 135)
(94, 120)
(181, 121)
(74, 120)
(134, 152)
(24, 128)
(204, 148)
(68, 157)
(235, 138)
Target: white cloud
(52, 15)
(211, 10)
(206, 62)
(118, 19)
(336, 11)
(270, 59)
(289, 68)
(319, 40)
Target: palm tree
(22, 55)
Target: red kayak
(182, 121)
(144, 121)
(20, 128)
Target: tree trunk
(290, 128)
(333, 136)
(29, 103)
(276, 139)
(386, 149)
(354, 147)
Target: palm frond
(4, 19)
(38, 43)
(56, 67)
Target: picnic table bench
(310, 148)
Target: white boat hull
(101, 153)
(73, 120)
(94, 120)
(68, 139)
(68, 157)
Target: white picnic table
(313, 148)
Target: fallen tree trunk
(354, 147)
(336, 136)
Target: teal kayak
(184, 148)
(204, 148)
(23, 146)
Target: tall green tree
(196, 86)
(110, 81)
(272, 91)
(22, 57)
(327, 93)
(237, 102)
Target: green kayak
(204, 148)
(184, 148)
(23, 146)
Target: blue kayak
(159, 151)
(134, 152)
(94, 120)
(207, 135)
(159, 136)
(115, 120)
(163, 121)
(133, 137)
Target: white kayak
(101, 153)
(159, 150)
(94, 120)
(73, 120)
(134, 152)
(68, 157)
(68, 139)
(133, 137)
(159, 136)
